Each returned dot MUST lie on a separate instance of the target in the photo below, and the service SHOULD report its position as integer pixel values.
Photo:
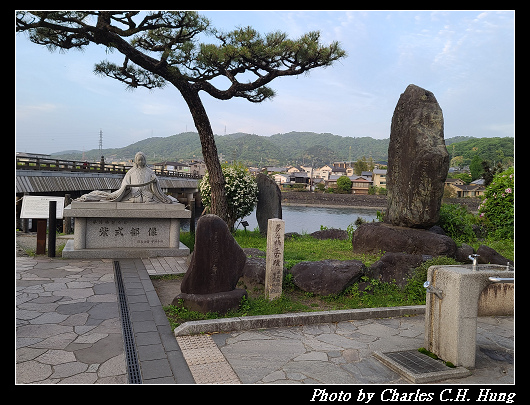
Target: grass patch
(248, 307)
(366, 293)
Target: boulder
(253, 252)
(269, 201)
(395, 266)
(220, 302)
(378, 236)
(330, 234)
(216, 265)
(254, 271)
(418, 160)
(327, 276)
(463, 252)
(490, 255)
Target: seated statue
(140, 185)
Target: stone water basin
(487, 267)
(451, 322)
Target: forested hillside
(294, 148)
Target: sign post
(274, 259)
(52, 212)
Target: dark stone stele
(327, 276)
(216, 265)
(418, 160)
(269, 201)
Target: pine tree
(163, 47)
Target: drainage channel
(133, 366)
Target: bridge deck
(42, 181)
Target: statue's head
(140, 160)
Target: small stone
(395, 266)
(327, 276)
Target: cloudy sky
(466, 58)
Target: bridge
(57, 177)
(37, 175)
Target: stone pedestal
(451, 322)
(115, 230)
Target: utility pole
(100, 141)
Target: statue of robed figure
(140, 185)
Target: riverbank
(357, 200)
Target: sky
(466, 58)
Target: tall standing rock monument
(418, 160)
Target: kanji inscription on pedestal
(274, 261)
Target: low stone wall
(350, 200)
(358, 200)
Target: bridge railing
(37, 163)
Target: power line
(100, 141)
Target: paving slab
(160, 357)
(343, 352)
(62, 337)
(69, 328)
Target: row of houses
(457, 188)
(309, 177)
(194, 167)
(287, 177)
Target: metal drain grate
(416, 362)
(133, 367)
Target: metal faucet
(433, 290)
(473, 258)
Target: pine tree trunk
(219, 204)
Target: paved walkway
(69, 328)
(69, 331)
(341, 353)
(157, 266)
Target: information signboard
(37, 206)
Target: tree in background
(161, 47)
(475, 167)
(344, 185)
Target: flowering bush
(497, 207)
(241, 191)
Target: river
(308, 219)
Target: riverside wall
(357, 200)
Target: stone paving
(69, 328)
(157, 266)
(341, 353)
(69, 331)
(67, 322)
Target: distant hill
(294, 148)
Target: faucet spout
(433, 290)
(473, 258)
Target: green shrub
(457, 221)
(497, 207)
(414, 287)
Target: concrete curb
(293, 319)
